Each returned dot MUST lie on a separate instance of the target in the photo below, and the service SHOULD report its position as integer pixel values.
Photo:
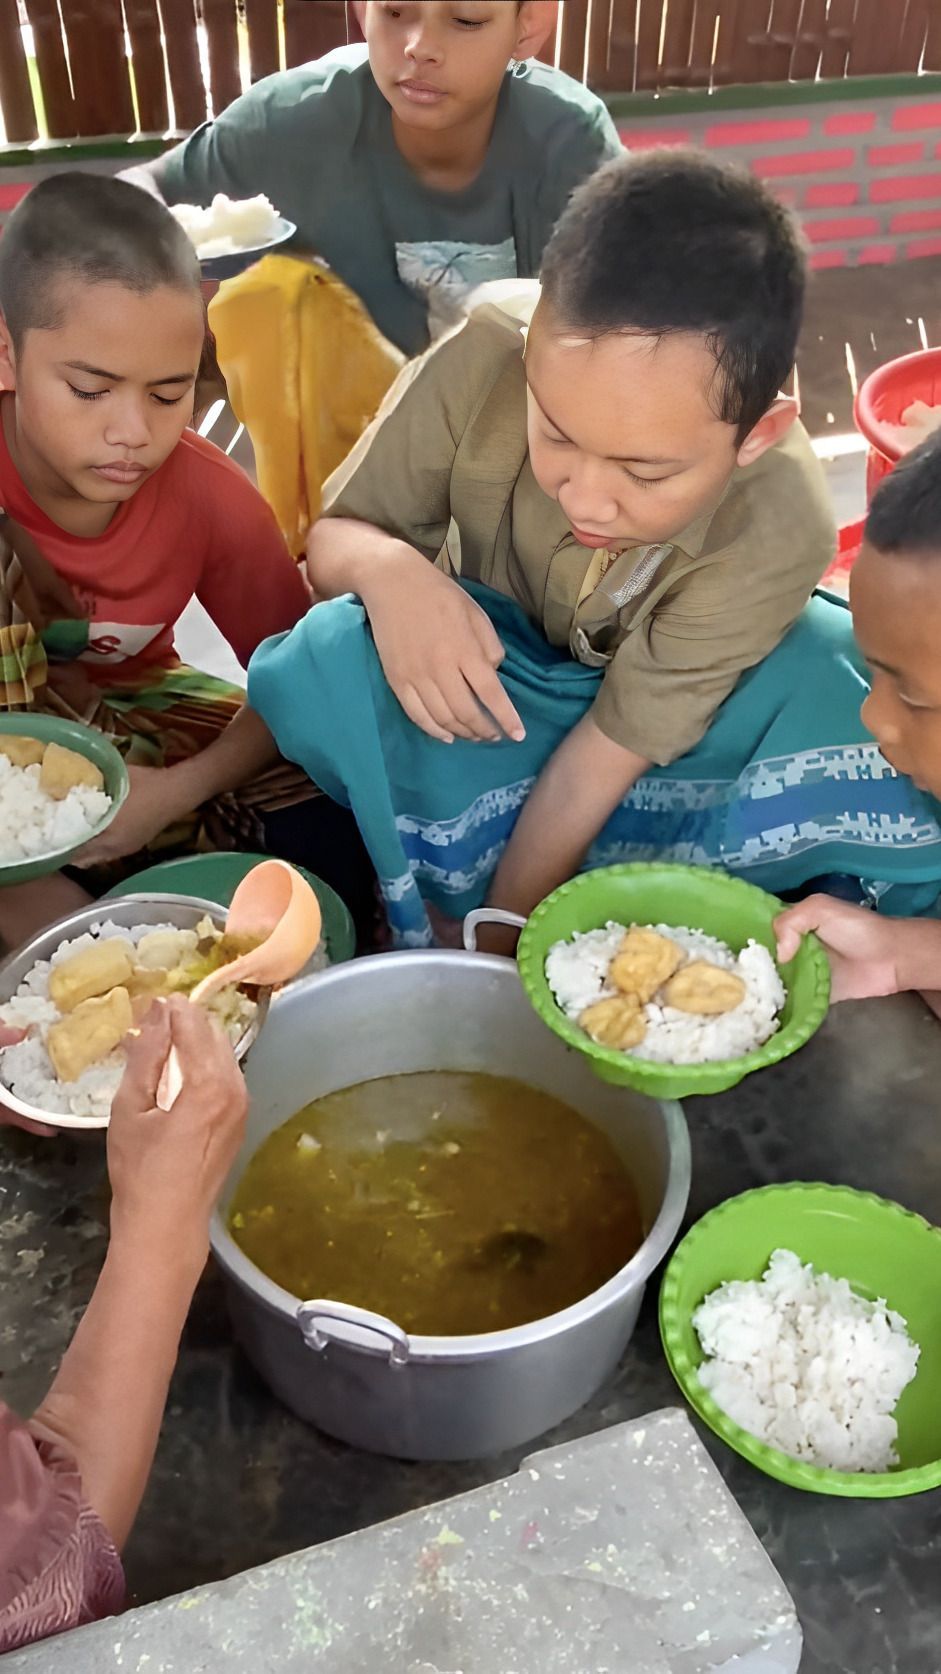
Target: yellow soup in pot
(450, 1202)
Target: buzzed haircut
(669, 241)
(905, 514)
(92, 228)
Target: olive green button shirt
(675, 625)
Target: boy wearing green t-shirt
(434, 158)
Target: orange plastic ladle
(272, 901)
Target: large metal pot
(359, 1376)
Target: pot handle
(487, 915)
(316, 1318)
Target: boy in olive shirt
(418, 166)
(628, 471)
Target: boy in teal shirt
(434, 158)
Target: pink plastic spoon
(272, 901)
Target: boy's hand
(152, 805)
(162, 795)
(863, 948)
(439, 652)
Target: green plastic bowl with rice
(717, 934)
(835, 1370)
(61, 785)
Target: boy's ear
(537, 20)
(7, 358)
(358, 8)
(772, 425)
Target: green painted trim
(676, 102)
(132, 148)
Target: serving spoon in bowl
(276, 906)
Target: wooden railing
(89, 67)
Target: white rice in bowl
(577, 974)
(26, 1068)
(228, 224)
(33, 823)
(804, 1364)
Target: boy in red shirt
(113, 516)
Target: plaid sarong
(160, 716)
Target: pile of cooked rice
(27, 1069)
(33, 822)
(228, 225)
(804, 1364)
(578, 972)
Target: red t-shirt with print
(198, 527)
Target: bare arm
(161, 795)
(107, 1401)
(243, 750)
(344, 555)
(439, 651)
(577, 790)
(147, 177)
(106, 1404)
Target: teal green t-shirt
(318, 142)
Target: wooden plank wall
(122, 66)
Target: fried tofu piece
(617, 1022)
(89, 1033)
(63, 769)
(643, 963)
(21, 751)
(163, 950)
(96, 970)
(704, 990)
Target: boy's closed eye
(556, 440)
(395, 14)
(96, 395)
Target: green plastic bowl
(86, 741)
(698, 899)
(883, 1250)
(216, 877)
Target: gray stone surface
(621, 1551)
(238, 1481)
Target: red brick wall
(865, 180)
(15, 183)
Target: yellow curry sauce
(450, 1202)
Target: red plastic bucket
(882, 399)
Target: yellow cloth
(305, 369)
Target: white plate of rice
(577, 971)
(26, 1070)
(28, 1083)
(231, 226)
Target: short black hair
(93, 228)
(905, 514)
(669, 241)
